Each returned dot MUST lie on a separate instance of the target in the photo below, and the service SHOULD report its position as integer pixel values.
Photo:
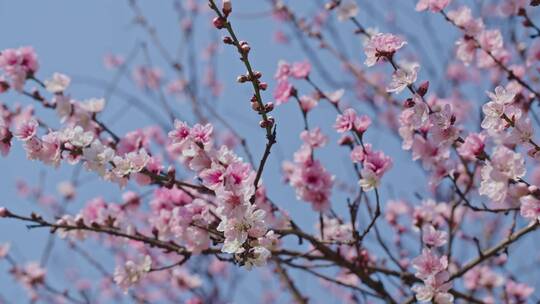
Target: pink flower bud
(228, 40)
(4, 86)
(409, 103)
(3, 212)
(255, 106)
(242, 78)
(267, 123)
(171, 171)
(423, 89)
(227, 7)
(245, 48)
(219, 23)
(269, 107)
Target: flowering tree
(195, 210)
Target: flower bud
(228, 40)
(219, 23)
(226, 7)
(345, 140)
(242, 78)
(331, 5)
(422, 90)
(4, 86)
(267, 123)
(3, 212)
(245, 48)
(269, 107)
(171, 171)
(409, 103)
(255, 106)
(263, 86)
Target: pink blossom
(362, 123)
(492, 116)
(518, 291)
(503, 166)
(34, 274)
(280, 37)
(335, 97)
(490, 40)
(442, 126)
(237, 230)
(58, 83)
(403, 77)
(429, 264)
(283, 92)
(312, 183)
(4, 249)
(530, 208)
(375, 166)
(334, 230)
(19, 64)
(132, 141)
(473, 146)
(92, 105)
(148, 78)
(300, 70)
(382, 46)
(131, 273)
(347, 121)
(314, 138)
(283, 71)
(27, 130)
(432, 5)
(435, 289)
(180, 133)
(501, 96)
(433, 237)
(183, 279)
(466, 49)
(358, 154)
(201, 134)
(522, 132)
(112, 61)
(482, 277)
(257, 257)
(347, 10)
(66, 189)
(462, 17)
(177, 86)
(307, 103)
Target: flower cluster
(284, 89)
(242, 223)
(312, 182)
(431, 269)
(132, 272)
(505, 166)
(19, 64)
